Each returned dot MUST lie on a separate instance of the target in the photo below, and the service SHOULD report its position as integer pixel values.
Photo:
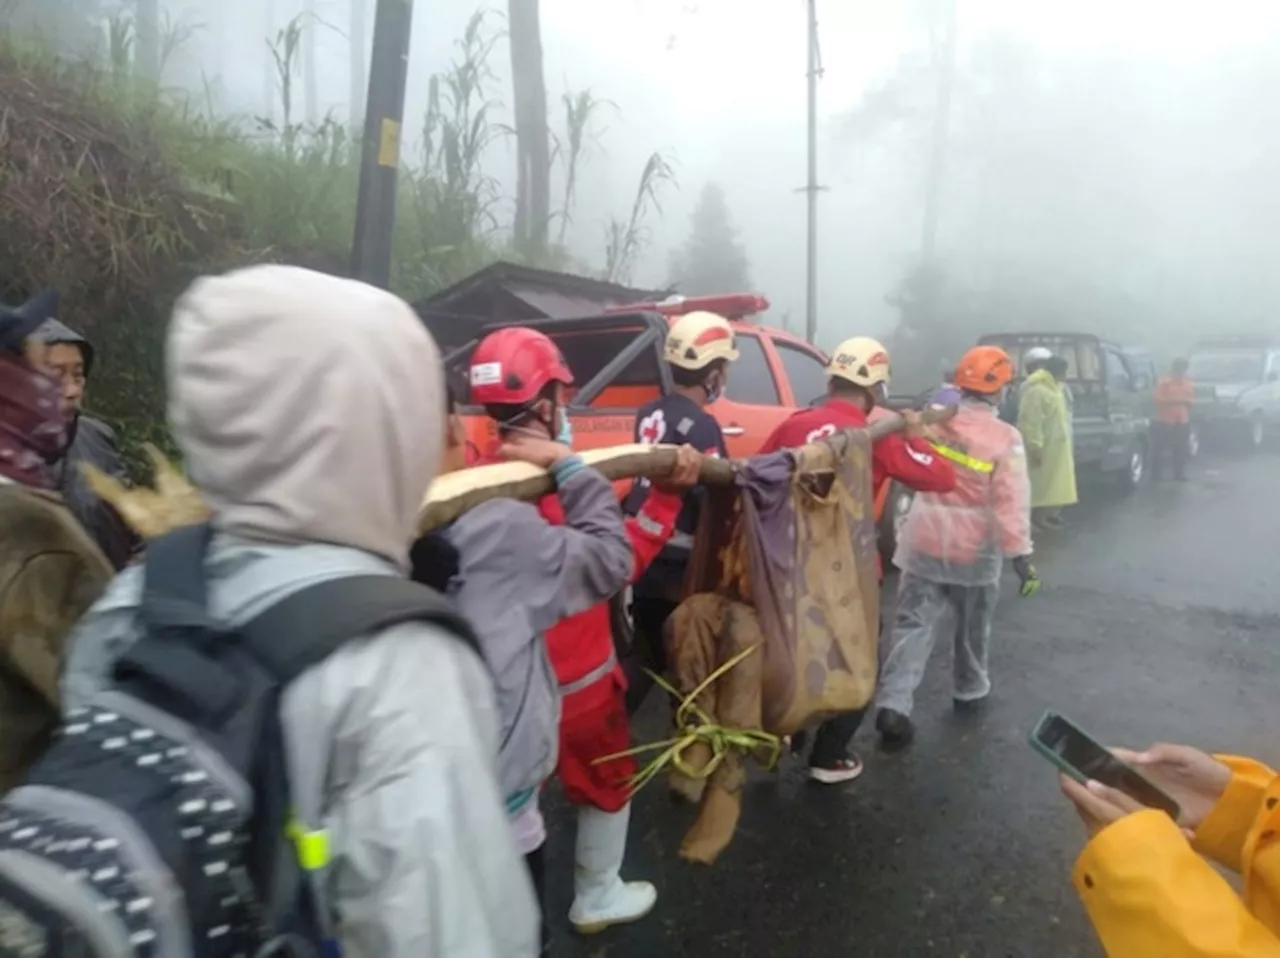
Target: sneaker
(844, 770)
(1050, 523)
(969, 706)
(895, 729)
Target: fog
(1109, 166)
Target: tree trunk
(310, 86)
(533, 140)
(147, 36)
(358, 32)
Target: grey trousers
(925, 610)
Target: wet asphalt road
(1158, 620)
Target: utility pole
(358, 38)
(812, 188)
(946, 72)
(380, 160)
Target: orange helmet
(984, 369)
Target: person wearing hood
(1044, 419)
(392, 741)
(50, 571)
(71, 358)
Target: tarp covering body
(785, 561)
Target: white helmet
(861, 361)
(1037, 354)
(698, 339)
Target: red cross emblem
(652, 428)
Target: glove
(1027, 574)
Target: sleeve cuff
(1224, 830)
(566, 469)
(1124, 846)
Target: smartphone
(1063, 743)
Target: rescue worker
(857, 381)
(952, 547)
(699, 349)
(1044, 420)
(71, 358)
(1150, 884)
(1171, 432)
(593, 720)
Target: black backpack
(159, 822)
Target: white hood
(308, 408)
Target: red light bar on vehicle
(730, 306)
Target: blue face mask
(565, 435)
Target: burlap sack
(784, 561)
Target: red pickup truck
(616, 359)
(617, 363)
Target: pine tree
(712, 260)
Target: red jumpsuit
(593, 710)
(912, 462)
(593, 720)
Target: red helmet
(511, 367)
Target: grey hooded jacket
(518, 575)
(296, 398)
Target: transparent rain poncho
(962, 537)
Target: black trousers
(536, 862)
(648, 647)
(831, 743)
(1170, 441)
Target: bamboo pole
(454, 494)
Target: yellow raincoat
(1149, 893)
(1045, 425)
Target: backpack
(159, 823)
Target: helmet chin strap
(513, 424)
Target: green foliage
(119, 193)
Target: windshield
(1226, 367)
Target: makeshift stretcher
(779, 626)
(782, 587)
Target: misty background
(1109, 166)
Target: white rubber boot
(600, 897)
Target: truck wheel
(1257, 434)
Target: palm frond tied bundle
(696, 728)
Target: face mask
(565, 435)
(713, 392)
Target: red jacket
(583, 643)
(911, 462)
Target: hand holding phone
(1082, 759)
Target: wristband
(566, 469)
